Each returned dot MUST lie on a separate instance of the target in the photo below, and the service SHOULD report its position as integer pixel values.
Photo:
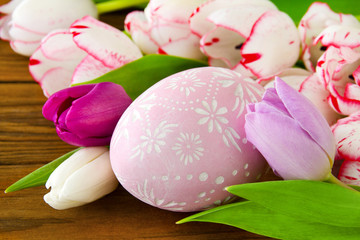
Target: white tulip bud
(83, 178)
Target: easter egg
(182, 142)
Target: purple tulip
(86, 115)
(291, 134)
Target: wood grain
(27, 141)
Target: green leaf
(40, 175)
(255, 218)
(116, 5)
(297, 9)
(137, 76)
(307, 200)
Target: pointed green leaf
(307, 200)
(137, 76)
(297, 9)
(255, 218)
(40, 175)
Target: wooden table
(28, 141)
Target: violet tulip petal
(271, 98)
(72, 139)
(282, 142)
(307, 116)
(54, 104)
(98, 111)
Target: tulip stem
(333, 179)
(114, 5)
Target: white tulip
(83, 178)
(26, 22)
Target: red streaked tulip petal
(104, 42)
(89, 68)
(53, 63)
(198, 21)
(318, 17)
(338, 68)
(273, 45)
(350, 172)
(347, 132)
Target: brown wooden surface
(28, 141)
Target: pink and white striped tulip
(349, 172)
(87, 50)
(339, 70)
(163, 28)
(318, 18)
(251, 37)
(26, 22)
(347, 137)
(82, 178)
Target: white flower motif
(152, 141)
(186, 82)
(147, 195)
(229, 136)
(212, 116)
(188, 147)
(241, 89)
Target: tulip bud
(291, 134)
(86, 115)
(26, 22)
(83, 178)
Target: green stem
(111, 6)
(357, 17)
(333, 179)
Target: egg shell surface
(181, 142)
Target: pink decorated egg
(182, 142)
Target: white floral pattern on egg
(181, 142)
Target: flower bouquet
(191, 105)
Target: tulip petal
(75, 140)
(53, 200)
(315, 91)
(221, 44)
(337, 68)
(187, 47)
(9, 7)
(98, 112)
(347, 132)
(273, 36)
(104, 42)
(319, 17)
(74, 162)
(307, 116)
(282, 142)
(198, 21)
(88, 69)
(60, 100)
(23, 47)
(350, 172)
(51, 14)
(91, 182)
(137, 25)
(53, 63)
(339, 35)
(272, 99)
